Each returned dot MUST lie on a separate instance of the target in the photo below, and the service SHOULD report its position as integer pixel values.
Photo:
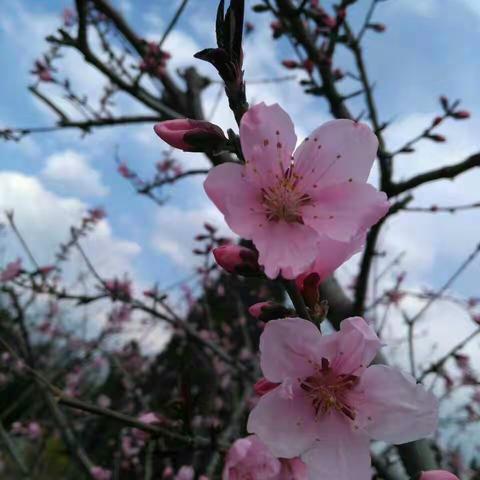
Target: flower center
(328, 390)
(284, 201)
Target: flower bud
(290, 64)
(461, 115)
(263, 386)
(309, 289)
(265, 311)
(191, 135)
(437, 138)
(437, 475)
(377, 27)
(237, 259)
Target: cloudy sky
(51, 179)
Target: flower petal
(267, 136)
(393, 407)
(337, 151)
(344, 210)
(235, 197)
(331, 254)
(222, 181)
(250, 456)
(286, 248)
(340, 453)
(287, 347)
(286, 425)
(357, 345)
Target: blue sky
(426, 51)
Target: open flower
(249, 458)
(328, 404)
(287, 202)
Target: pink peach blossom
(250, 458)
(330, 255)
(438, 475)
(293, 204)
(185, 473)
(329, 404)
(99, 473)
(12, 271)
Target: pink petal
(287, 347)
(286, 248)
(392, 407)
(268, 139)
(340, 453)
(221, 180)
(236, 198)
(286, 426)
(345, 210)
(337, 151)
(331, 254)
(357, 345)
(249, 456)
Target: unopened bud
(309, 289)
(437, 138)
(437, 121)
(265, 311)
(461, 115)
(191, 135)
(237, 259)
(377, 27)
(290, 64)
(264, 386)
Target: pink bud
(437, 138)
(268, 311)
(290, 64)
(191, 135)
(438, 475)
(377, 27)
(256, 309)
(437, 121)
(309, 289)
(263, 386)
(237, 259)
(461, 115)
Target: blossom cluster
(306, 210)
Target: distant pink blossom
(12, 271)
(69, 17)
(99, 473)
(329, 404)
(291, 203)
(149, 418)
(249, 458)
(438, 475)
(34, 430)
(43, 71)
(185, 473)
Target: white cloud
(175, 229)
(44, 219)
(72, 172)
